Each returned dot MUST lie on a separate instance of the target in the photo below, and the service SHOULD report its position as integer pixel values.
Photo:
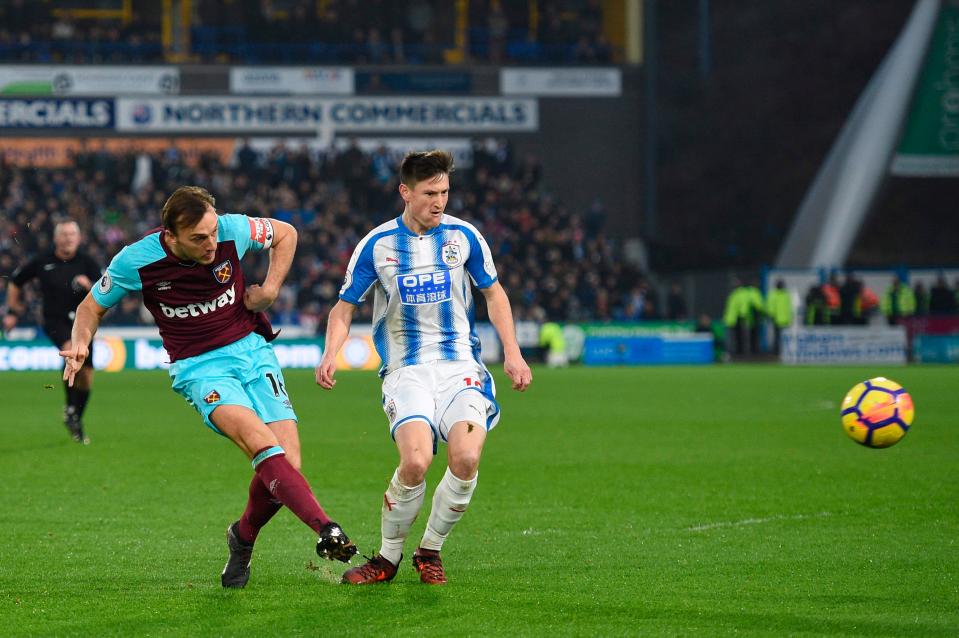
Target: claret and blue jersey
(423, 305)
(197, 307)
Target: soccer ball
(877, 412)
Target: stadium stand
(752, 152)
(571, 270)
(329, 32)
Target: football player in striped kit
(421, 267)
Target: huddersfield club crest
(223, 272)
(451, 254)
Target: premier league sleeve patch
(106, 284)
(424, 288)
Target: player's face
(426, 202)
(66, 239)
(196, 243)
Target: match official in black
(65, 275)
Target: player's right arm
(121, 277)
(88, 317)
(337, 330)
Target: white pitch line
(756, 521)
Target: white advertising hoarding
(578, 82)
(89, 80)
(292, 80)
(261, 114)
(846, 345)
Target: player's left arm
(501, 316)
(259, 297)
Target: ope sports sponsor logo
(202, 308)
(424, 288)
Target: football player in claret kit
(435, 386)
(213, 327)
(65, 275)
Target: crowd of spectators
(555, 263)
(851, 302)
(305, 31)
(34, 31)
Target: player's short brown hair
(418, 166)
(186, 207)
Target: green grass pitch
(706, 501)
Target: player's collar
(406, 229)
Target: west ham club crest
(223, 272)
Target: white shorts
(440, 393)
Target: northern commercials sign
(261, 115)
(45, 113)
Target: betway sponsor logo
(202, 308)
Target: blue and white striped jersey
(423, 305)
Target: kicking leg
(261, 505)
(280, 479)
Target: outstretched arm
(260, 297)
(501, 316)
(89, 315)
(337, 330)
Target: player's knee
(464, 463)
(413, 470)
(294, 460)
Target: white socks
(450, 500)
(401, 504)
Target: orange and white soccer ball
(877, 413)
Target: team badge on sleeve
(213, 397)
(261, 231)
(223, 272)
